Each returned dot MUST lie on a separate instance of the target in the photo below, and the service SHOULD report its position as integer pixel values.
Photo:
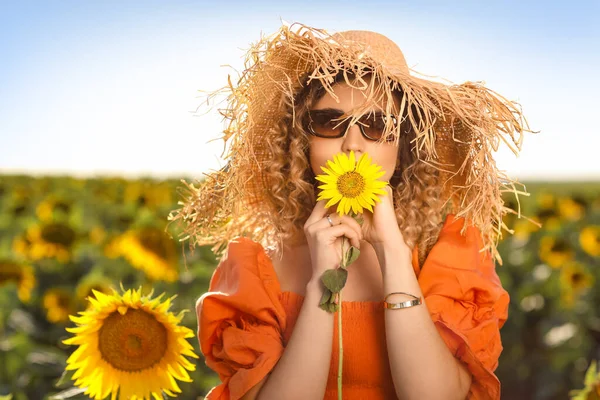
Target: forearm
(303, 369)
(418, 356)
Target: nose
(354, 140)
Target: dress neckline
(298, 298)
(352, 304)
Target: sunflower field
(97, 292)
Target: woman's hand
(325, 241)
(380, 228)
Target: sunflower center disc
(132, 342)
(351, 184)
(9, 272)
(577, 278)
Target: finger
(317, 213)
(348, 220)
(337, 231)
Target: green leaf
(335, 279)
(578, 394)
(6, 397)
(65, 394)
(329, 307)
(590, 375)
(325, 297)
(353, 254)
(65, 379)
(328, 302)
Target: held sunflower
(129, 345)
(352, 185)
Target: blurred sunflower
(589, 239)
(88, 284)
(97, 235)
(549, 218)
(52, 240)
(58, 304)
(18, 210)
(149, 250)
(572, 208)
(23, 192)
(523, 229)
(52, 205)
(130, 345)
(104, 190)
(555, 251)
(148, 194)
(575, 278)
(546, 200)
(21, 274)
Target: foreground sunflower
(350, 184)
(130, 346)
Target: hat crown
(377, 46)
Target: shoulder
(242, 255)
(459, 240)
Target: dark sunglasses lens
(326, 124)
(374, 125)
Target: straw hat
(457, 129)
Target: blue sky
(111, 87)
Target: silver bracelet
(404, 304)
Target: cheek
(321, 150)
(387, 159)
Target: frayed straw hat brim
(458, 129)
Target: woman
(429, 245)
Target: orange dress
(245, 320)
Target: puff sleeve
(240, 321)
(467, 303)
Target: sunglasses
(332, 124)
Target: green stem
(341, 348)
(341, 345)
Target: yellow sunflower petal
(333, 200)
(356, 207)
(350, 165)
(328, 171)
(335, 167)
(362, 201)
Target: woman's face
(382, 153)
